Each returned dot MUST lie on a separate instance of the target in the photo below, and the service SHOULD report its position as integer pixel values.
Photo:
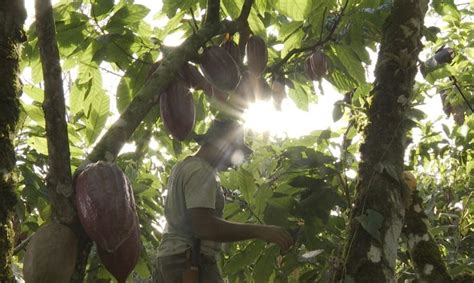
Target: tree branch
(111, 143)
(59, 180)
(213, 11)
(246, 7)
(275, 67)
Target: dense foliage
(306, 184)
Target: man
(194, 206)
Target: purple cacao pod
(105, 204)
(257, 55)
(219, 68)
(177, 110)
(122, 261)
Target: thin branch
(455, 83)
(21, 245)
(275, 67)
(213, 11)
(246, 7)
(59, 180)
(196, 26)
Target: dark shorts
(169, 269)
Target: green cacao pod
(316, 65)
(177, 110)
(233, 49)
(122, 261)
(105, 204)
(219, 68)
(257, 55)
(51, 255)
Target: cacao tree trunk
(12, 18)
(378, 213)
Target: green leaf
(350, 61)
(170, 7)
(35, 93)
(35, 113)
(232, 7)
(244, 257)
(371, 221)
(294, 41)
(297, 10)
(256, 24)
(246, 184)
(101, 7)
(265, 265)
(127, 15)
(98, 114)
(299, 96)
(278, 211)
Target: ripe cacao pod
(316, 65)
(233, 49)
(122, 261)
(219, 68)
(51, 255)
(177, 110)
(192, 77)
(105, 204)
(257, 55)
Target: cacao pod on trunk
(177, 110)
(51, 255)
(105, 204)
(122, 261)
(257, 55)
(219, 68)
(316, 65)
(233, 49)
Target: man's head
(226, 137)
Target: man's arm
(208, 227)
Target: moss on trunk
(12, 17)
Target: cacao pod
(257, 55)
(192, 77)
(233, 49)
(105, 204)
(409, 180)
(316, 65)
(245, 91)
(219, 68)
(51, 255)
(177, 110)
(122, 261)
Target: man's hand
(275, 234)
(206, 226)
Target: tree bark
(12, 18)
(424, 252)
(378, 213)
(59, 179)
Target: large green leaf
(244, 257)
(98, 114)
(350, 61)
(265, 265)
(297, 10)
